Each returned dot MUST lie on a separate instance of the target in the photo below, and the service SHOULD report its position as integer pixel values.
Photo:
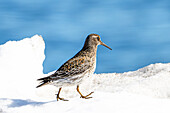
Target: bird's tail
(44, 81)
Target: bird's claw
(59, 98)
(87, 96)
(81, 96)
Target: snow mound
(144, 90)
(21, 64)
(153, 80)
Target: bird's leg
(58, 97)
(81, 96)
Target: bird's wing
(74, 66)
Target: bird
(75, 69)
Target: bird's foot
(58, 97)
(82, 96)
(87, 96)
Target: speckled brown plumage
(82, 64)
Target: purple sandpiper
(75, 69)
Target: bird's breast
(93, 65)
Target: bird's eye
(98, 38)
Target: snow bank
(144, 90)
(153, 80)
(20, 65)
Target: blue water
(138, 31)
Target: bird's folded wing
(73, 67)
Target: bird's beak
(105, 45)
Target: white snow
(146, 90)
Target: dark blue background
(138, 31)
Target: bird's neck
(90, 49)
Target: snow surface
(146, 90)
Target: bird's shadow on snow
(20, 102)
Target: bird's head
(94, 40)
